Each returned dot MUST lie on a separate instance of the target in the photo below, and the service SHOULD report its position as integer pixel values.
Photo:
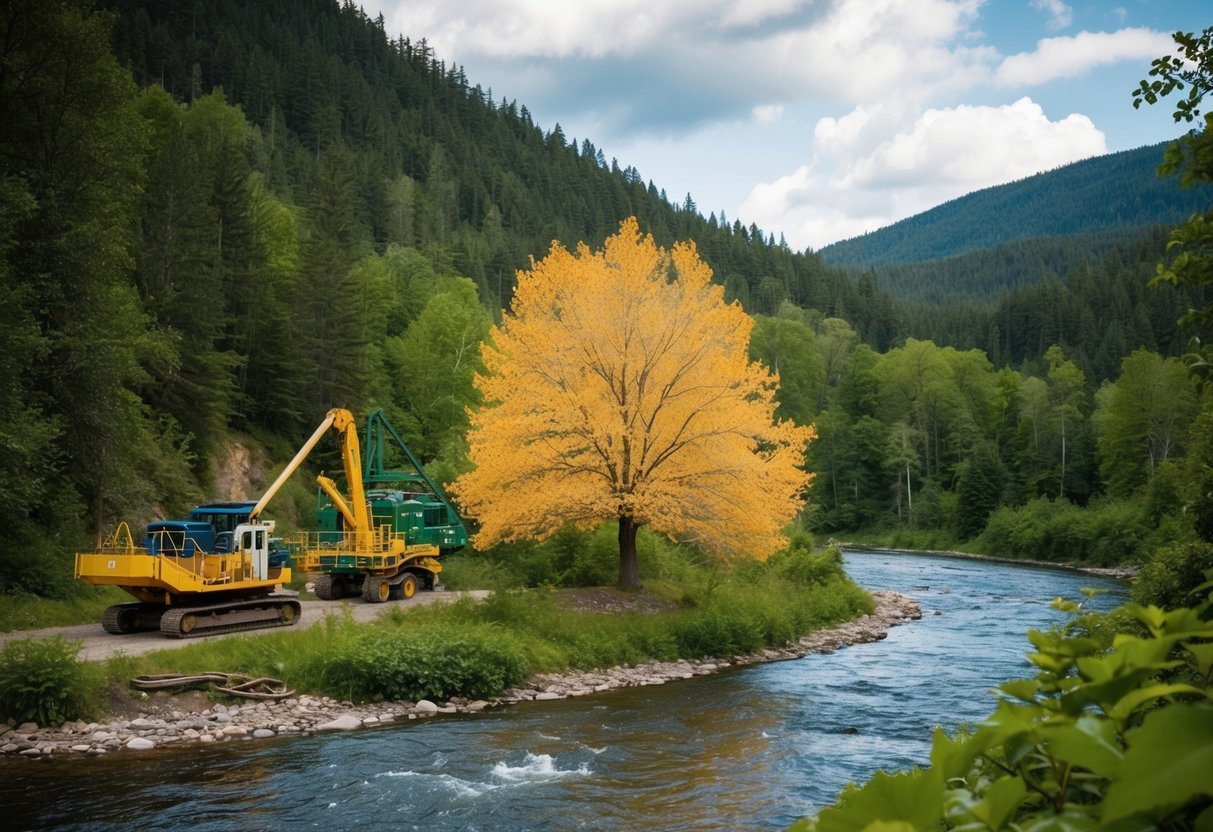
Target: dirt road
(100, 645)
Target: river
(755, 748)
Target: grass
(480, 648)
(29, 612)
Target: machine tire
(376, 590)
(408, 586)
(287, 614)
(328, 588)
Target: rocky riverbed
(164, 720)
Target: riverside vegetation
(478, 649)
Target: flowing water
(754, 748)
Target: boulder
(341, 723)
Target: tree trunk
(629, 569)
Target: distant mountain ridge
(1103, 193)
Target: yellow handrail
(114, 541)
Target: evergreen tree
(979, 489)
(71, 157)
(330, 305)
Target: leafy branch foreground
(480, 649)
(1115, 732)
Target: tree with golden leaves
(617, 387)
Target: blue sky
(819, 119)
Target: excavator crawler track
(121, 619)
(193, 622)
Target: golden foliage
(618, 385)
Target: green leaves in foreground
(1112, 736)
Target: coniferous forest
(222, 218)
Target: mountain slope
(1116, 191)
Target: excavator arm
(356, 514)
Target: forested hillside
(222, 218)
(434, 160)
(1119, 191)
(1087, 294)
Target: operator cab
(223, 518)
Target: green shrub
(42, 572)
(42, 680)
(588, 559)
(717, 631)
(431, 663)
(470, 570)
(1171, 575)
(1106, 533)
(804, 567)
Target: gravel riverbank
(166, 720)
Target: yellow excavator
(219, 571)
(222, 570)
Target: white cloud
(537, 28)
(754, 12)
(1067, 57)
(942, 154)
(868, 50)
(711, 96)
(767, 113)
(754, 52)
(1060, 14)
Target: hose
(233, 684)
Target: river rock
(346, 722)
(140, 744)
(425, 707)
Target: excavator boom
(343, 422)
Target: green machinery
(412, 524)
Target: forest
(1118, 192)
(220, 219)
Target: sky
(818, 120)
